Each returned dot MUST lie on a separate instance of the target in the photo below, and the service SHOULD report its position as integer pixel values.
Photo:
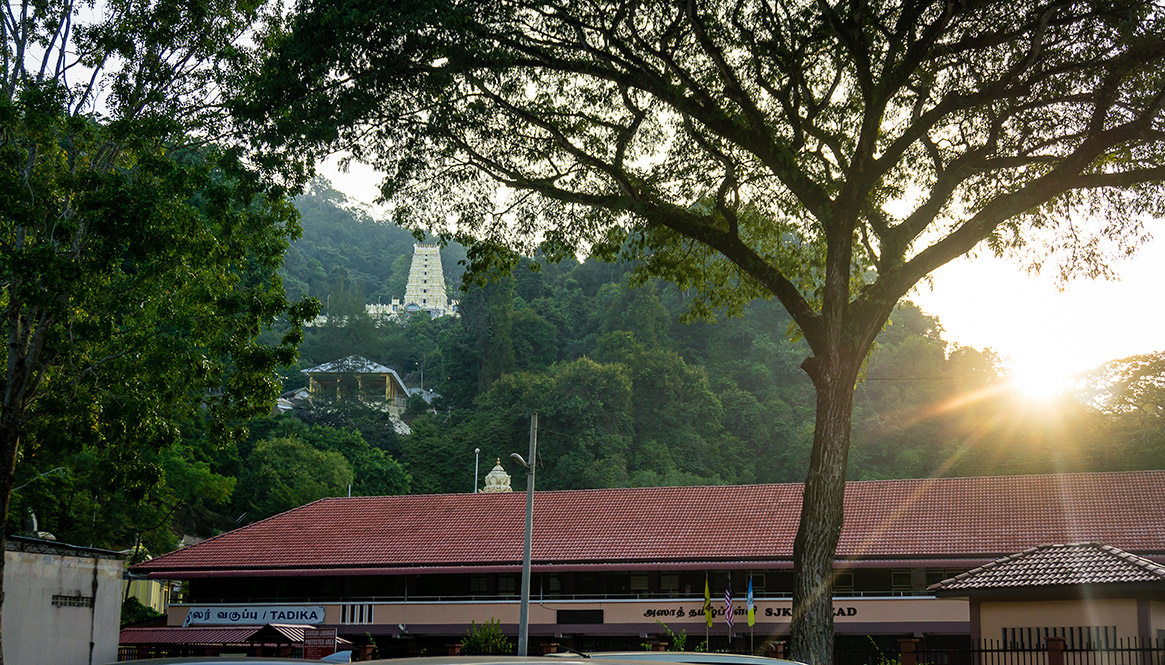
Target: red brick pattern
(946, 517)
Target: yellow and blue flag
(707, 603)
(751, 605)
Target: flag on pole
(728, 603)
(707, 603)
(751, 605)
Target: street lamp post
(524, 613)
(476, 458)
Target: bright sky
(1038, 330)
(988, 302)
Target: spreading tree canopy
(138, 257)
(829, 154)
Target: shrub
(486, 640)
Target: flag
(751, 605)
(707, 603)
(728, 603)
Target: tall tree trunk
(19, 385)
(821, 511)
(9, 443)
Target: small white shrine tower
(497, 480)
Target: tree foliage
(284, 473)
(133, 611)
(829, 155)
(138, 251)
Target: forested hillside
(628, 394)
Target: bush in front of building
(133, 611)
(486, 640)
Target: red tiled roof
(945, 517)
(234, 635)
(175, 635)
(1059, 565)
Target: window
(639, 582)
(352, 613)
(668, 582)
(844, 581)
(1075, 637)
(900, 580)
(507, 585)
(758, 582)
(478, 584)
(553, 584)
(935, 576)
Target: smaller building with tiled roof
(356, 377)
(1058, 566)
(1080, 592)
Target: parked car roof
(221, 660)
(696, 657)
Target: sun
(1040, 379)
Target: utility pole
(524, 616)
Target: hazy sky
(991, 303)
(988, 302)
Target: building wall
(56, 605)
(857, 616)
(1118, 613)
(1157, 619)
(154, 594)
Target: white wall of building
(62, 605)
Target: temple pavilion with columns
(356, 377)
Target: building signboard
(318, 642)
(252, 615)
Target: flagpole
(751, 614)
(728, 616)
(707, 622)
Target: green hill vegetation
(628, 394)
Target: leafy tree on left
(138, 261)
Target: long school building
(614, 568)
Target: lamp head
(520, 460)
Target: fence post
(908, 650)
(1055, 650)
(777, 651)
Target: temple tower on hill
(426, 287)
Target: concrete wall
(1118, 612)
(61, 609)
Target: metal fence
(1053, 651)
